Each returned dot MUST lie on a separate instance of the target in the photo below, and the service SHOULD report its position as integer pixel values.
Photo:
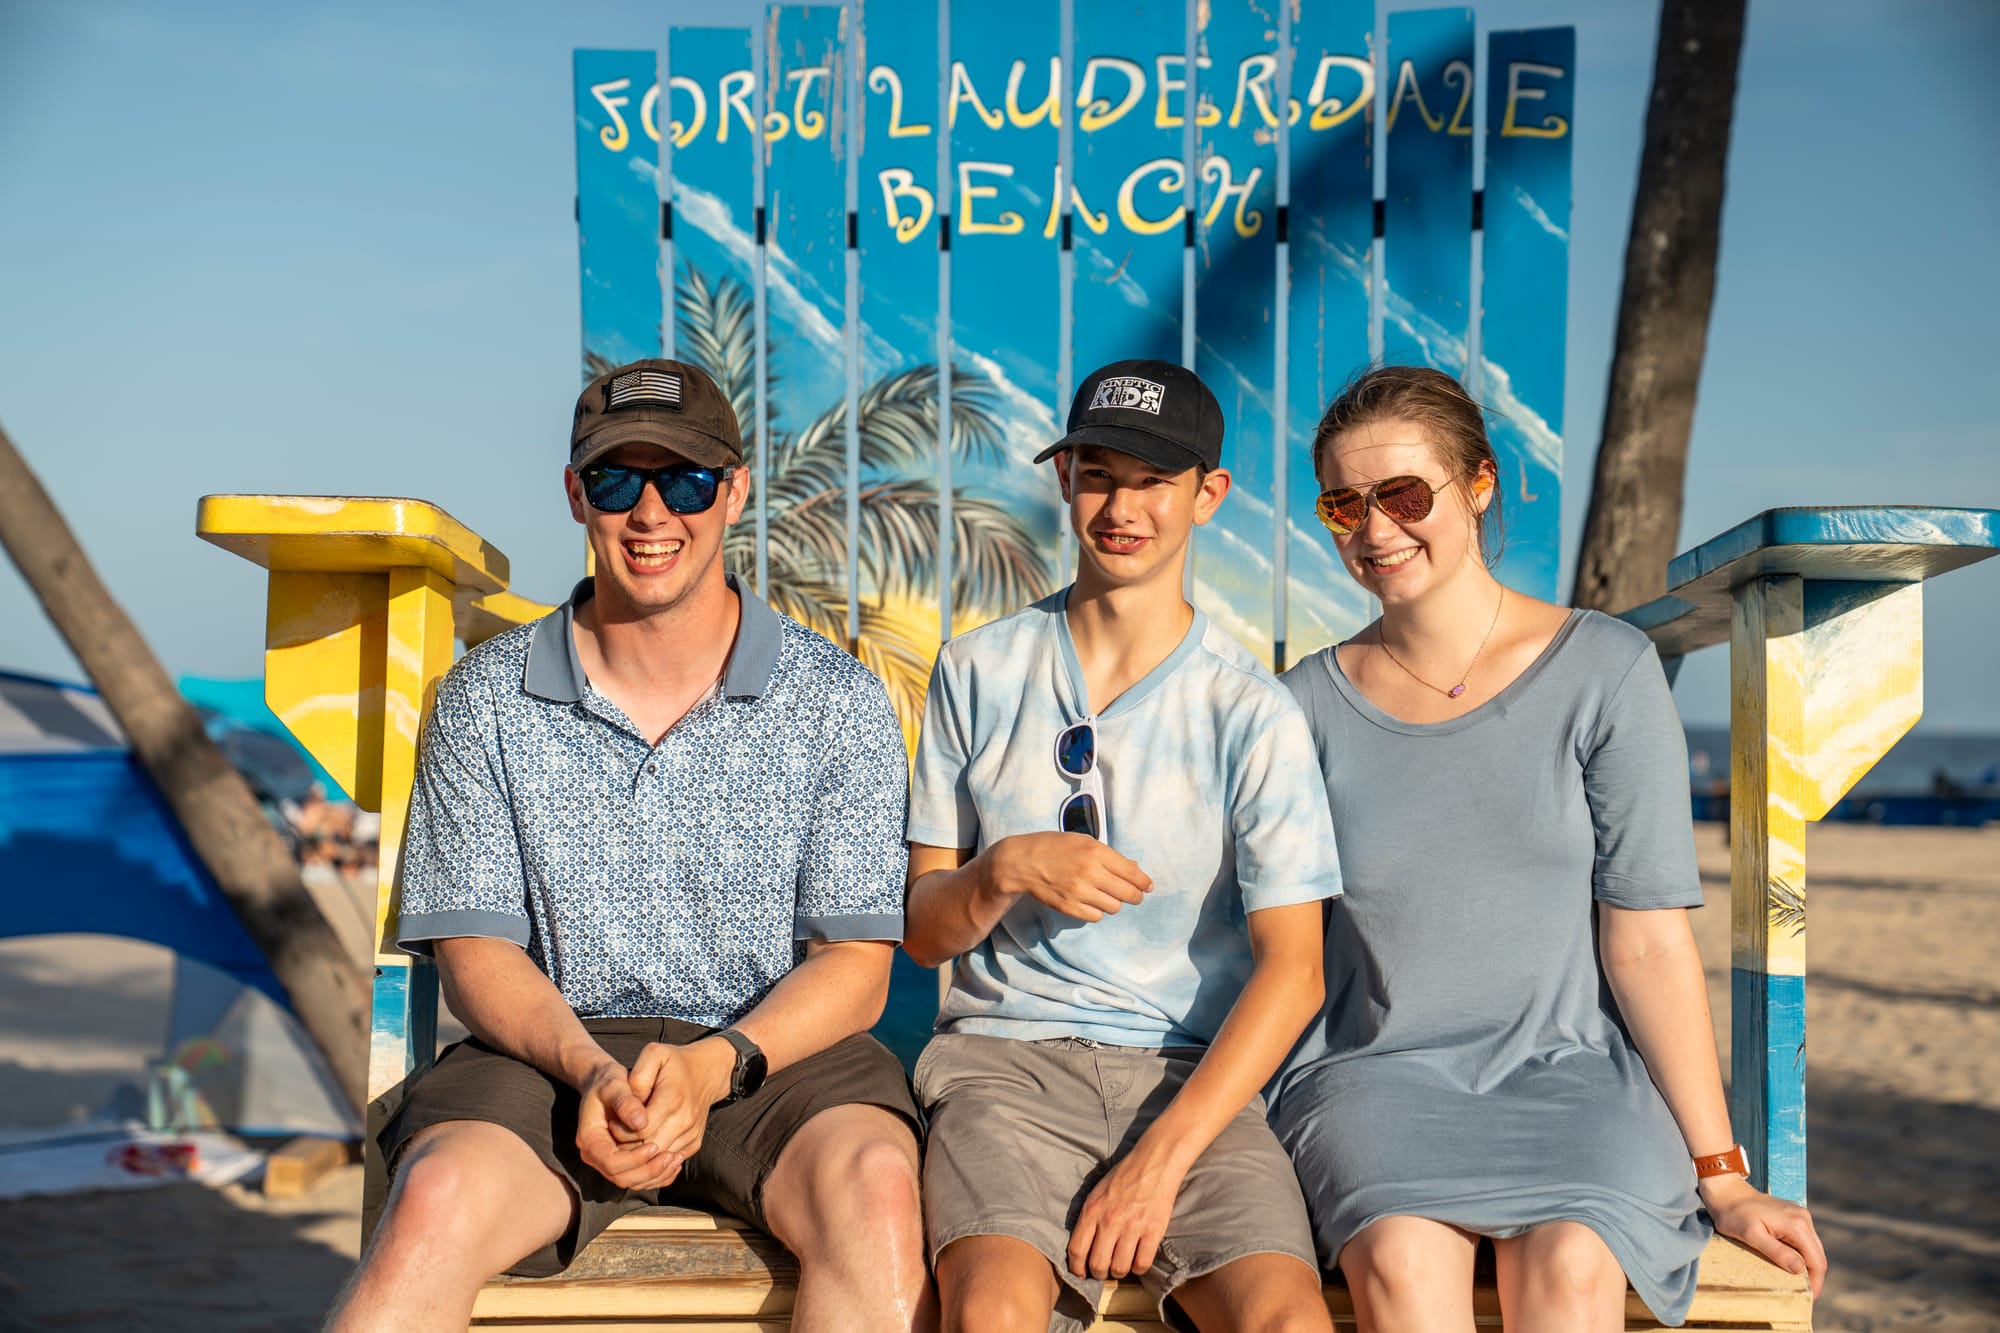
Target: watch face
(750, 1067)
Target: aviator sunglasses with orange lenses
(1403, 499)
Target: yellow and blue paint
(362, 612)
(1823, 613)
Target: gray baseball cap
(668, 403)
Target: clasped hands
(638, 1127)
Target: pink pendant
(1456, 690)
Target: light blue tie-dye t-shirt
(1211, 784)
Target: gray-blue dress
(1471, 1066)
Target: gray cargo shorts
(1021, 1131)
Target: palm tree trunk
(1635, 498)
(215, 807)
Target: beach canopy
(88, 847)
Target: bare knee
(1295, 1311)
(990, 1284)
(994, 1307)
(1407, 1263)
(1288, 1316)
(469, 1200)
(1389, 1264)
(863, 1186)
(1293, 1319)
(436, 1181)
(1268, 1293)
(475, 1191)
(1567, 1266)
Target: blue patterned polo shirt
(677, 880)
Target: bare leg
(1410, 1275)
(1560, 1278)
(995, 1284)
(470, 1200)
(844, 1199)
(1259, 1293)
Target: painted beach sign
(828, 210)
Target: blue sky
(249, 247)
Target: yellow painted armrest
(364, 593)
(482, 618)
(331, 534)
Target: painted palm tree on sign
(1786, 906)
(997, 565)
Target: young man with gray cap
(1115, 828)
(655, 846)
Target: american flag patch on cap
(644, 386)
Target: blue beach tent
(89, 847)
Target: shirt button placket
(663, 861)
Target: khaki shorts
(472, 1081)
(1020, 1132)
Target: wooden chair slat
(683, 1269)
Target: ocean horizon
(1969, 761)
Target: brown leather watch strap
(1734, 1162)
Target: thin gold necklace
(1458, 689)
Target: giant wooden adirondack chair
(1822, 609)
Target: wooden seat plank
(636, 1274)
(683, 1269)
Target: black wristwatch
(748, 1076)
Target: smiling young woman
(1516, 1042)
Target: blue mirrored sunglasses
(1079, 815)
(684, 488)
(1076, 750)
(1076, 757)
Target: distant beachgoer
(1517, 1041)
(656, 847)
(1114, 821)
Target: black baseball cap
(668, 403)
(1156, 411)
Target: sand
(1902, 1067)
(1903, 1104)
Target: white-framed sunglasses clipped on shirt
(1083, 811)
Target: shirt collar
(1136, 692)
(555, 673)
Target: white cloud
(1543, 220)
(1250, 389)
(710, 216)
(1220, 607)
(1244, 554)
(1023, 415)
(1118, 276)
(782, 291)
(1544, 443)
(1437, 345)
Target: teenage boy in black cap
(656, 848)
(1117, 828)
